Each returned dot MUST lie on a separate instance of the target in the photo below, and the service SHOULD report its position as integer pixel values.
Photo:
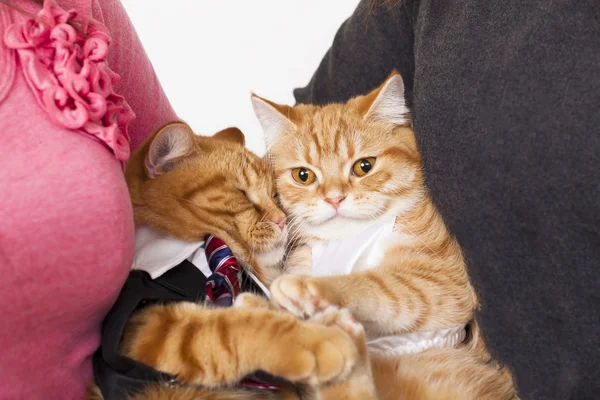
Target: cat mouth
(349, 216)
(339, 216)
(322, 221)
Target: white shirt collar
(157, 252)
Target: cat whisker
(295, 220)
(296, 230)
(297, 235)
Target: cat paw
(343, 319)
(299, 351)
(266, 236)
(318, 354)
(300, 295)
(249, 300)
(359, 384)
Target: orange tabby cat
(187, 186)
(349, 177)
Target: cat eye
(363, 166)
(303, 176)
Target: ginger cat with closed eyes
(366, 236)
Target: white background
(211, 54)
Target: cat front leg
(386, 299)
(302, 296)
(218, 347)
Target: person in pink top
(77, 95)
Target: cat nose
(335, 201)
(279, 220)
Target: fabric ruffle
(7, 57)
(69, 75)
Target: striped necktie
(223, 285)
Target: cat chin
(341, 227)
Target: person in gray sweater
(505, 98)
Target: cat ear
(231, 135)
(386, 103)
(170, 145)
(275, 119)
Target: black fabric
(118, 376)
(506, 105)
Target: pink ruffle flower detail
(69, 75)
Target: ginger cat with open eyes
(366, 236)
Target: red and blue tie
(223, 285)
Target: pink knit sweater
(66, 228)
